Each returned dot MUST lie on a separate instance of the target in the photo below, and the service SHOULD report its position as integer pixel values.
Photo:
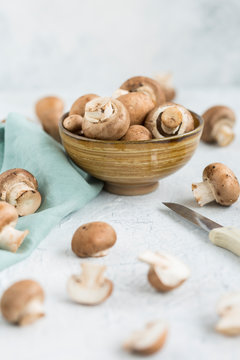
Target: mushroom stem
(152, 258)
(92, 274)
(32, 311)
(203, 193)
(171, 119)
(223, 133)
(25, 198)
(11, 239)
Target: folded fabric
(64, 187)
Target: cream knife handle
(226, 237)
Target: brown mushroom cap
(8, 214)
(78, 107)
(224, 183)
(16, 298)
(93, 239)
(156, 92)
(137, 133)
(212, 116)
(138, 105)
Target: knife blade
(225, 237)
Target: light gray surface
(90, 43)
(75, 332)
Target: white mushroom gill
(203, 192)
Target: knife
(225, 237)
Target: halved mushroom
(219, 184)
(169, 120)
(138, 105)
(137, 133)
(22, 303)
(228, 309)
(166, 82)
(19, 188)
(78, 107)
(90, 287)
(166, 271)
(149, 340)
(10, 238)
(73, 123)
(105, 119)
(93, 239)
(218, 125)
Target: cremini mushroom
(166, 82)
(137, 133)
(49, 111)
(22, 303)
(228, 309)
(146, 85)
(166, 271)
(73, 123)
(105, 119)
(169, 120)
(10, 238)
(78, 107)
(93, 239)
(219, 184)
(90, 287)
(148, 340)
(218, 125)
(19, 188)
(138, 105)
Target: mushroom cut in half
(147, 86)
(148, 340)
(19, 188)
(105, 119)
(169, 120)
(78, 107)
(90, 287)
(228, 309)
(10, 238)
(219, 184)
(166, 271)
(22, 303)
(218, 125)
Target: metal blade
(193, 216)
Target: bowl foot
(130, 189)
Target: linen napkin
(64, 187)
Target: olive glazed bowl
(131, 167)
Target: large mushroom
(219, 184)
(19, 188)
(169, 120)
(105, 119)
(22, 303)
(218, 125)
(10, 238)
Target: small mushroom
(105, 119)
(49, 110)
(138, 105)
(90, 287)
(22, 303)
(137, 133)
(73, 123)
(166, 82)
(19, 188)
(218, 125)
(146, 85)
(166, 271)
(219, 184)
(228, 309)
(93, 239)
(78, 107)
(169, 120)
(148, 340)
(10, 238)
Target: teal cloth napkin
(64, 187)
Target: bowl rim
(162, 140)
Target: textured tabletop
(70, 331)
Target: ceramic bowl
(131, 167)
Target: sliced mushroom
(138, 105)
(93, 239)
(22, 303)
(169, 120)
(166, 271)
(137, 133)
(148, 340)
(19, 188)
(10, 238)
(49, 111)
(228, 309)
(90, 287)
(146, 85)
(78, 107)
(73, 123)
(105, 119)
(218, 125)
(166, 82)
(219, 184)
